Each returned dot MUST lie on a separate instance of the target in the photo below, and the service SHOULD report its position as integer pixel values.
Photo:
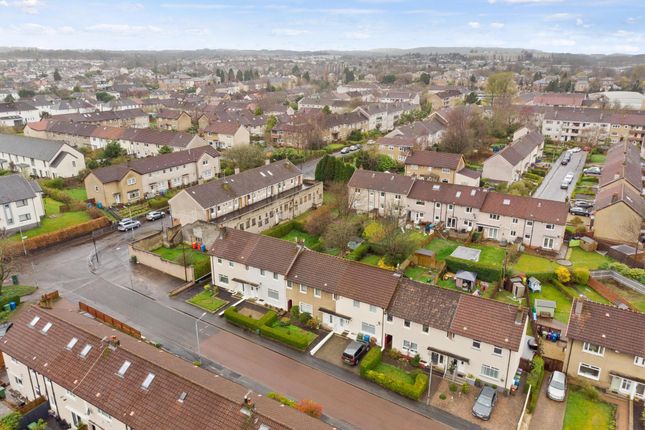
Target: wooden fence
(608, 293)
(109, 320)
(31, 405)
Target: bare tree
(342, 201)
(339, 233)
(245, 157)
(395, 242)
(8, 263)
(458, 136)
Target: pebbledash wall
(141, 250)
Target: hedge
(360, 252)
(233, 316)
(370, 361)
(560, 286)
(281, 230)
(294, 341)
(412, 391)
(6, 300)
(485, 272)
(535, 378)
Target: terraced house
(509, 164)
(536, 223)
(145, 178)
(607, 347)
(254, 200)
(88, 374)
(443, 167)
(470, 335)
(39, 157)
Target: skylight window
(263, 175)
(34, 322)
(124, 368)
(71, 343)
(46, 328)
(86, 350)
(473, 192)
(506, 202)
(148, 381)
(458, 194)
(436, 187)
(182, 397)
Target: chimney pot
(236, 170)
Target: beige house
(397, 148)
(171, 119)
(443, 167)
(224, 135)
(147, 177)
(606, 346)
(509, 164)
(379, 192)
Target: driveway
(550, 187)
(548, 414)
(333, 349)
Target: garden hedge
(370, 360)
(560, 286)
(281, 230)
(412, 391)
(360, 252)
(297, 342)
(233, 316)
(485, 272)
(535, 378)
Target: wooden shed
(588, 244)
(424, 257)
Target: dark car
(484, 404)
(354, 351)
(577, 210)
(566, 158)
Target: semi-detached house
(537, 223)
(22, 203)
(469, 334)
(509, 164)
(39, 157)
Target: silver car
(483, 407)
(557, 389)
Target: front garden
(586, 411)
(411, 384)
(208, 299)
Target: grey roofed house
(16, 187)
(381, 181)
(466, 253)
(225, 189)
(30, 147)
(522, 147)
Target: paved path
(548, 414)
(550, 187)
(138, 296)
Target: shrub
(313, 323)
(310, 408)
(442, 396)
(361, 251)
(295, 312)
(563, 274)
(581, 275)
(281, 230)
(485, 272)
(452, 387)
(11, 421)
(298, 342)
(394, 353)
(465, 388)
(304, 317)
(9, 299)
(282, 399)
(536, 375)
(590, 391)
(57, 183)
(158, 202)
(370, 360)
(233, 316)
(318, 222)
(415, 360)
(412, 391)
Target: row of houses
(536, 223)
(472, 335)
(515, 159)
(40, 158)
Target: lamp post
(429, 382)
(199, 354)
(22, 238)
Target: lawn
(54, 220)
(597, 159)
(584, 414)
(371, 259)
(395, 373)
(293, 235)
(528, 263)
(78, 194)
(200, 260)
(419, 273)
(590, 260)
(207, 300)
(444, 247)
(562, 301)
(16, 290)
(506, 297)
(299, 335)
(592, 294)
(449, 284)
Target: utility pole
(199, 354)
(429, 382)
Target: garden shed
(465, 280)
(545, 308)
(534, 285)
(588, 244)
(424, 257)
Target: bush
(590, 391)
(295, 312)
(281, 230)
(58, 183)
(563, 274)
(304, 317)
(581, 275)
(452, 387)
(282, 399)
(415, 360)
(535, 378)
(485, 272)
(9, 299)
(361, 251)
(310, 408)
(442, 396)
(11, 421)
(465, 388)
(158, 203)
(370, 360)
(297, 342)
(394, 353)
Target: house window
(273, 294)
(437, 205)
(24, 217)
(489, 371)
(306, 308)
(223, 279)
(303, 289)
(317, 292)
(589, 371)
(529, 223)
(513, 233)
(639, 361)
(420, 203)
(334, 296)
(372, 308)
(104, 414)
(368, 328)
(18, 380)
(593, 349)
(449, 207)
(469, 210)
(275, 275)
(406, 323)
(357, 304)
(493, 216)
(514, 220)
(132, 181)
(389, 318)
(289, 284)
(425, 328)
(21, 203)
(262, 273)
(550, 226)
(497, 350)
(219, 261)
(410, 347)
(477, 344)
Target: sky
(577, 26)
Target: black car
(577, 210)
(354, 351)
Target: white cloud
(27, 6)
(474, 24)
(524, 1)
(497, 25)
(195, 6)
(130, 7)
(562, 16)
(288, 32)
(124, 29)
(357, 35)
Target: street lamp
(199, 354)
(429, 383)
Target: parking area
(550, 187)
(550, 413)
(333, 349)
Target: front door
(437, 359)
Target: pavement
(548, 414)
(139, 296)
(550, 189)
(309, 167)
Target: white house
(509, 164)
(22, 203)
(39, 157)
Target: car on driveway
(582, 203)
(566, 158)
(155, 215)
(354, 352)
(575, 149)
(128, 225)
(594, 170)
(345, 150)
(353, 148)
(485, 402)
(557, 388)
(577, 210)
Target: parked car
(129, 225)
(485, 402)
(354, 352)
(575, 149)
(594, 170)
(557, 388)
(154, 215)
(577, 210)
(345, 150)
(125, 221)
(582, 203)
(566, 158)
(353, 148)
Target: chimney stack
(222, 231)
(519, 316)
(267, 162)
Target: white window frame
(223, 279)
(132, 181)
(317, 292)
(476, 345)
(487, 368)
(585, 375)
(271, 293)
(371, 328)
(356, 303)
(303, 289)
(372, 308)
(495, 348)
(587, 347)
(639, 361)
